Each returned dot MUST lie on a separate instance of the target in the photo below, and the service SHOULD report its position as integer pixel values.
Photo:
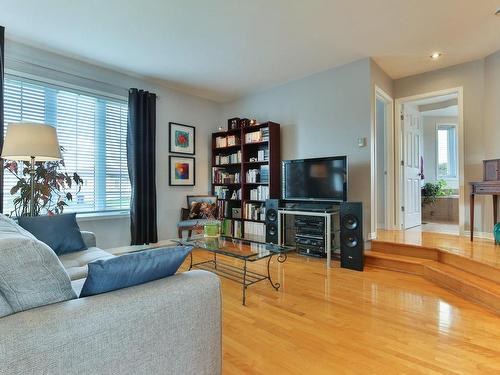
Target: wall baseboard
(485, 235)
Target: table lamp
(31, 142)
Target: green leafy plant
(53, 188)
(431, 191)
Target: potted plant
(431, 191)
(53, 187)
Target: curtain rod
(16, 60)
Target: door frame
(389, 159)
(398, 146)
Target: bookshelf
(246, 169)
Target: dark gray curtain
(141, 157)
(2, 57)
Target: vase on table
(496, 233)
(212, 228)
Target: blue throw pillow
(60, 232)
(132, 269)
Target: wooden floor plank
(346, 322)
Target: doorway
(382, 167)
(429, 135)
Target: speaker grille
(350, 222)
(272, 215)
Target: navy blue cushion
(60, 232)
(105, 275)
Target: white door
(412, 151)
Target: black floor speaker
(351, 236)
(272, 220)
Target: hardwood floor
(481, 250)
(345, 322)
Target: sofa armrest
(89, 238)
(168, 326)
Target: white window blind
(92, 130)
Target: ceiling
(223, 49)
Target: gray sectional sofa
(168, 326)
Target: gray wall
(171, 106)
(321, 115)
(491, 130)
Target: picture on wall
(182, 138)
(182, 171)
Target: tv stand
(326, 212)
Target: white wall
(321, 115)
(430, 144)
(381, 167)
(171, 106)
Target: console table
(483, 188)
(489, 186)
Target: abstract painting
(182, 138)
(182, 171)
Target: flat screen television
(319, 179)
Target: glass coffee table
(244, 250)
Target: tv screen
(321, 179)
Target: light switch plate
(362, 142)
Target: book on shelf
(264, 173)
(228, 159)
(255, 211)
(263, 155)
(227, 227)
(227, 141)
(260, 193)
(237, 229)
(253, 175)
(261, 135)
(255, 231)
(221, 176)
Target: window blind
(91, 129)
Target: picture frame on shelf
(182, 138)
(182, 171)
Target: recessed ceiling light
(497, 12)
(436, 55)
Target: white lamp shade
(25, 140)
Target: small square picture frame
(182, 171)
(182, 138)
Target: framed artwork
(182, 138)
(181, 171)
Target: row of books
(221, 176)
(263, 155)
(264, 173)
(258, 136)
(232, 228)
(222, 192)
(223, 209)
(255, 211)
(227, 141)
(228, 159)
(258, 175)
(253, 175)
(261, 193)
(255, 231)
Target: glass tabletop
(236, 248)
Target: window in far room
(446, 151)
(91, 128)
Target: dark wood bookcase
(256, 154)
